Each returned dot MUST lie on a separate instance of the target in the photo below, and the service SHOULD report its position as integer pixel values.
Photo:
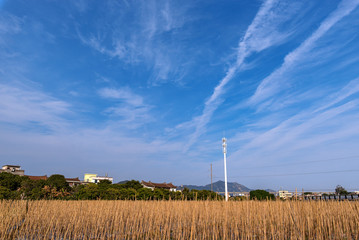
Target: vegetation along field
(107, 219)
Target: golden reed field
(179, 220)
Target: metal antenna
(224, 145)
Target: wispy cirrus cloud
(141, 37)
(307, 132)
(124, 94)
(272, 84)
(128, 106)
(265, 31)
(40, 124)
(29, 107)
(9, 24)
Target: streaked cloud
(264, 32)
(145, 89)
(272, 84)
(27, 107)
(130, 107)
(142, 42)
(124, 94)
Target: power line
(300, 163)
(295, 174)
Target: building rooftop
(158, 185)
(73, 179)
(37, 177)
(13, 166)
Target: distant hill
(219, 187)
(123, 182)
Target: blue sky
(146, 90)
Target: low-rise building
(151, 185)
(94, 178)
(284, 194)
(13, 169)
(35, 178)
(73, 181)
(88, 177)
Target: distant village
(88, 178)
(95, 178)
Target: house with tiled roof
(71, 181)
(35, 178)
(151, 185)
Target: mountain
(123, 182)
(219, 187)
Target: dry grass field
(178, 220)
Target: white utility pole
(224, 145)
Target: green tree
(158, 194)
(185, 193)
(110, 194)
(87, 192)
(105, 184)
(260, 195)
(11, 181)
(32, 189)
(193, 194)
(176, 195)
(144, 194)
(5, 193)
(166, 194)
(132, 194)
(124, 194)
(58, 182)
(132, 184)
(339, 190)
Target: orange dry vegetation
(178, 220)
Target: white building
(13, 169)
(285, 194)
(152, 186)
(94, 178)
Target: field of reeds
(179, 220)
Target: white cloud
(9, 24)
(124, 94)
(261, 34)
(130, 107)
(330, 122)
(140, 42)
(111, 147)
(272, 84)
(348, 90)
(22, 106)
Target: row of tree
(56, 187)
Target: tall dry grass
(178, 220)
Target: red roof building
(151, 185)
(35, 178)
(73, 181)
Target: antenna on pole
(224, 145)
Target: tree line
(55, 187)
